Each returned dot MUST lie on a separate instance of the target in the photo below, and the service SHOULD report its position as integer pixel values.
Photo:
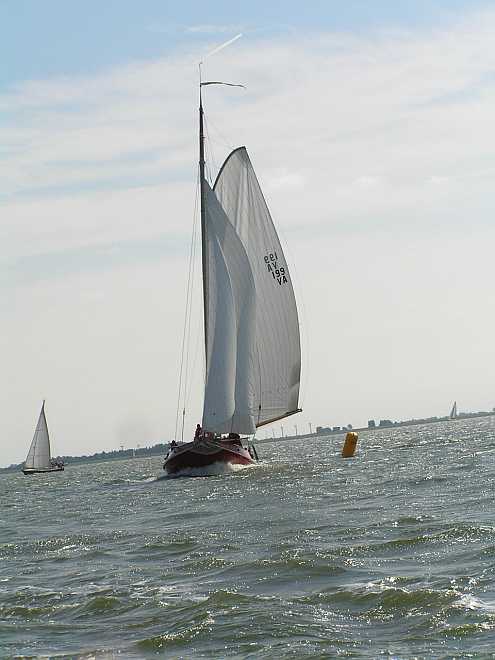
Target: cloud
(337, 108)
(382, 189)
(285, 179)
(71, 223)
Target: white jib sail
(253, 352)
(39, 453)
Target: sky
(370, 129)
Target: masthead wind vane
(219, 82)
(212, 52)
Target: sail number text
(276, 271)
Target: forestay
(253, 344)
(39, 452)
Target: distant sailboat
(39, 458)
(252, 344)
(453, 412)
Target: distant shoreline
(384, 427)
(161, 448)
(117, 455)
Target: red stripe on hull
(187, 459)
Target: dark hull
(203, 453)
(42, 471)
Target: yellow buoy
(349, 445)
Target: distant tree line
(117, 454)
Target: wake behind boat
(39, 458)
(251, 328)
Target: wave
(101, 604)
(307, 556)
(57, 547)
(121, 481)
(215, 469)
(465, 533)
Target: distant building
(385, 422)
(371, 424)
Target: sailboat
(251, 327)
(453, 412)
(39, 458)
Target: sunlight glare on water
(303, 555)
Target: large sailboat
(453, 412)
(39, 458)
(251, 328)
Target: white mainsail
(453, 412)
(39, 453)
(253, 354)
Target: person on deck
(198, 432)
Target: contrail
(221, 47)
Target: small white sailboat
(453, 412)
(251, 327)
(39, 458)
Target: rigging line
(219, 137)
(198, 334)
(210, 152)
(195, 360)
(189, 304)
(261, 382)
(185, 314)
(188, 375)
(206, 145)
(211, 161)
(207, 134)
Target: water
(391, 553)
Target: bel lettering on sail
(278, 272)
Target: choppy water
(391, 553)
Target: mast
(203, 218)
(202, 181)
